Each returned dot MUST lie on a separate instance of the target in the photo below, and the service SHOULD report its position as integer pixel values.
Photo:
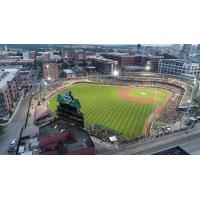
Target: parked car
(11, 149)
(192, 121)
(13, 146)
(13, 143)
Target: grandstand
(180, 87)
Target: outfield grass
(157, 94)
(101, 104)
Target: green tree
(66, 65)
(167, 56)
(60, 61)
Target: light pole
(154, 101)
(47, 66)
(115, 74)
(148, 68)
(48, 78)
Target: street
(12, 130)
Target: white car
(13, 143)
(13, 146)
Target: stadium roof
(11, 67)
(68, 71)
(41, 111)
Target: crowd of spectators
(104, 133)
(51, 89)
(180, 94)
(169, 113)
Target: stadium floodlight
(148, 68)
(115, 73)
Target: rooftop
(118, 54)
(182, 60)
(11, 67)
(104, 59)
(68, 71)
(30, 131)
(6, 75)
(69, 139)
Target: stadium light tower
(148, 67)
(115, 74)
(48, 78)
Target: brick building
(10, 84)
(51, 71)
(103, 65)
(123, 59)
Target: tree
(72, 63)
(60, 61)
(138, 48)
(168, 56)
(85, 63)
(65, 65)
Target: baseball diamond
(125, 109)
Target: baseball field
(122, 108)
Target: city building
(103, 65)
(29, 55)
(51, 71)
(10, 85)
(123, 59)
(58, 139)
(15, 61)
(154, 62)
(25, 73)
(26, 77)
(187, 47)
(178, 67)
(198, 48)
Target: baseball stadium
(130, 106)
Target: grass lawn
(101, 104)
